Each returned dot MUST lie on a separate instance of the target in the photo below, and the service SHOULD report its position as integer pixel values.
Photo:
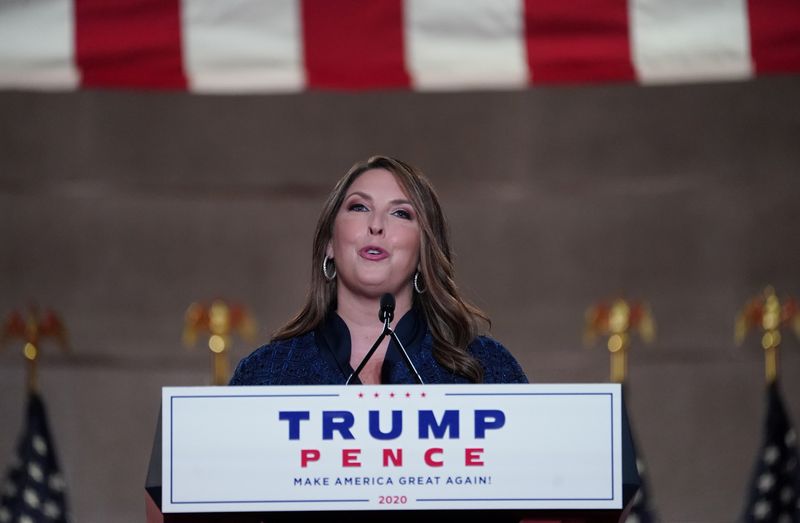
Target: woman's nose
(375, 225)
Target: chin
(378, 289)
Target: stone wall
(120, 208)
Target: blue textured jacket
(321, 357)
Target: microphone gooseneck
(386, 315)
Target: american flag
(641, 511)
(774, 487)
(642, 508)
(34, 489)
(240, 46)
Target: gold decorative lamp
(219, 320)
(768, 313)
(616, 319)
(30, 327)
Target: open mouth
(373, 253)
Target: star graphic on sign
(360, 394)
(391, 394)
(376, 394)
(423, 394)
(408, 394)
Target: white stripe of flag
(243, 45)
(690, 40)
(466, 44)
(37, 46)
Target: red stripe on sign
(354, 44)
(129, 43)
(578, 41)
(775, 35)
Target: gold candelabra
(767, 312)
(219, 320)
(31, 327)
(616, 319)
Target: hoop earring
(416, 284)
(329, 277)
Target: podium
(532, 453)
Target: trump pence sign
(420, 447)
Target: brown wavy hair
(452, 320)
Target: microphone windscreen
(387, 308)
(387, 302)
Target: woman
(381, 230)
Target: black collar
(333, 339)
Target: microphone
(386, 315)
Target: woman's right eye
(358, 207)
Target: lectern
(539, 453)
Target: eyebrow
(368, 197)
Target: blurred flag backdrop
(774, 487)
(292, 45)
(34, 489)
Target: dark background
(120, 208)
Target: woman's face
(376, 237)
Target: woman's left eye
(402, 213)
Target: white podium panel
(422, 447)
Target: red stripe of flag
(129, 43)
(578, 41)
(354, 44)
(775, 35)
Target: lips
(373, 253)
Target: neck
(360, 313)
